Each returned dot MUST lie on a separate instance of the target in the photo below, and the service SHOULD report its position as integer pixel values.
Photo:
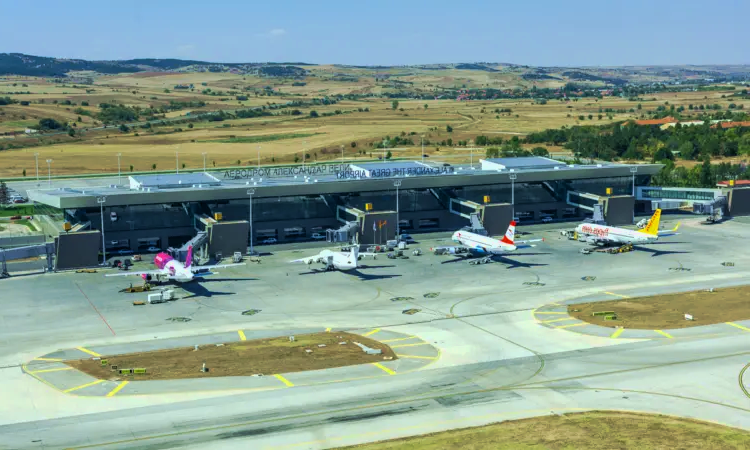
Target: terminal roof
(173, 180)
(528, 162)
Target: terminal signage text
(341, 171)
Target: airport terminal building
(295, 203)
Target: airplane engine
(592, 240)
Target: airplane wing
(672, 232)
(308, 260)
(133, 274)
(528, 241)
(195, 269)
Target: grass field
(667, 311)
(283, 137)
(244, 358)
(596, 430)
(8, 211)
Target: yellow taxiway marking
(558, 320)
(410, 345)
(85, 350)
(286, 382)
(550, 312)
(242, 335)
(83, 386)
(399, 339)
(617, 333)
(416, 357)
(47, 359)
(328, 330)
(573, 325)
(384, 369)
(117, 389)
(616, 295)
(370, 333)
(736, 325)
(52, 370)
(667, 335)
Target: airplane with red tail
(173, 270)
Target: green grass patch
(25, 210)
(264, 138)
(26, 222)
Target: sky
(385, 32)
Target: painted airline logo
(588, 229)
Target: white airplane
(484, 246)
(605, 235)
(336, 260)
(173, 270)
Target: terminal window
(294, 232)
(429, 223)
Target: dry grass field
(228, 142)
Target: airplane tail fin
(189, 259)
(509, 237)
(652, 227)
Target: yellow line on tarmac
(242, 335)
(370, 333)
(399, 339)
(617, 333)
(117, 389)
(550, 312)
(52, 370)
(410, 345)
(736, 325)
(48, 359)
(85, 350)
(416, 357)
(573, 325)
(384, 369)
(284, 380)
(616, 295)
(664, 334)
(83, 386)
(558, 320)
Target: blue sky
(534, 32)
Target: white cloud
(274, 33)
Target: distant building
(663, 121)
(732, 124)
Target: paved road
(496, 361)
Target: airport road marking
(384, 369)
(736, 325)
(574, 325)
(52, 370)
(117, 389)
(550, 312)
(83, 386)
(328, 330)
(48, 359)
(617, 333)
(85, 350)
(410, 345)
(667, 335)
(286, 382)
(558, 320)
(417, 357)
(616, 295)
(370, 333)
(399, 339)
(242, 335)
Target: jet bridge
(200, 248)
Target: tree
(153, 166)
(581, 118)
(641, 107)
(313, 113)
(353, 144)
(190, 125)
(71, 132)
(492, 152)
(131, 167)
(425, 106)
(24, 172)
(394, 104)
(4, 194)
(591, 116)
(449, 129)
(124, 128)
(49, 124)
(388, 155)
(539, 151)
(706, 177)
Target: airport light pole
(250, 193)
(259, 157)
(397, 183)
(421, 138)
(342, 154)
(385, 146)
(633, 170)
(49, 173)
(101, 200)
(513, 177)
(177, 160)
(36, 162)
(119, 173)
(204, 161)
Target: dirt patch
(244, 358)
(668, 311)
(581, 431)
